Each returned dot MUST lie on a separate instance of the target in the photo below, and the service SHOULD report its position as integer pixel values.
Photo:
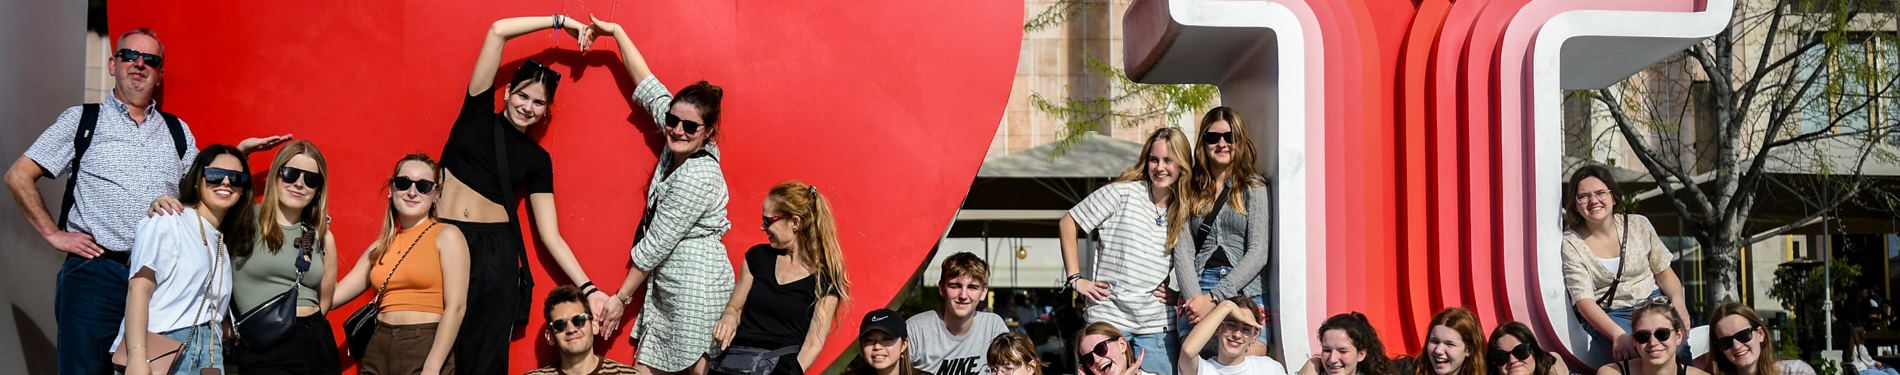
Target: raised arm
(636, 65)
(508, 28)
(453, 250)
(1190, 361)
(547, 225)
(735, 307)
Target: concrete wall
(43, 66)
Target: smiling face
(1513, 365)
(680, 141)
(881, 350)
(135, 80)
(1594, 200)
(1234, 336)
(1162, 166)
(224, 194)
(1337, 355)
(1742, 354)
(412, 204)
(1221, 153)
(781, 234)
(1112, 358)
(576, 339)
(1446, 349)
(961, 295)
(1657, 352)
(293, 197)
(527, 105)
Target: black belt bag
(741, 360)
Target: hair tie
(813, 190)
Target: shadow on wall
(36, 348)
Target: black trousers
(309, 350)
(494, 253)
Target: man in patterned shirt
(572, 330)
(133, 155)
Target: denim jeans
(1157, 351)
(206, 350)
(89, 306)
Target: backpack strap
(82, 139)
(178, 132)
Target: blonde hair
(390, 225)
(818, 247)
(1241, 171)
(1178, 148)
(313, 215)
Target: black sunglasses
(130, 55)
(560, 325)
(1217, 137)
(236, 179)
(291, 175)
(1499, 357)
(403, 183)
(1642, 337)
(534, 67)
(691, 127)
(1724, 343)
(1100, 350)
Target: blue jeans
(1211, 277)
(1159, 348)
(1879, 371)
(89, 306)
(206, 350)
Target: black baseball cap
(883, 320)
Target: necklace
(1161, 219)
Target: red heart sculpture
(888, 107)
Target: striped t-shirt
(1132, 257)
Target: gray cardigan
(1249, 277)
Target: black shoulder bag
(524, 279)
(267, 324)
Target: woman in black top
(792, 287)
(487, 158)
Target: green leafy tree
(1126, 102)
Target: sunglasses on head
(290, 175)
(1217, 137)
(1642, 337)
(560, 325)
(221, 176)
(531, 66)
(403, 183)
(1743, 337)
(130, 55)
(672, 121)
(1499, 357)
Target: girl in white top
(1138, 224)
(1233, 323)
(181, 269)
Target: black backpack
(82, 139)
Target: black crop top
(470, 152)
(777, 316)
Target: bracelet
(557, 21)
(1069, 282)
(624, 300)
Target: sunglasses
(221, 176)
(691, 127)
(131, 55)
(767, 221)
(534, 67)
(560, 325)
(403, 183)
(1642, 337)
(1743, 337)
(1100, 350)
(1217, 137)
(1499, 357)
(290, 175)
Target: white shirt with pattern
(690, 276)
(1133, 257)
(128, 165)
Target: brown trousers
(401, 350)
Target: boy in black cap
(884, 346)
